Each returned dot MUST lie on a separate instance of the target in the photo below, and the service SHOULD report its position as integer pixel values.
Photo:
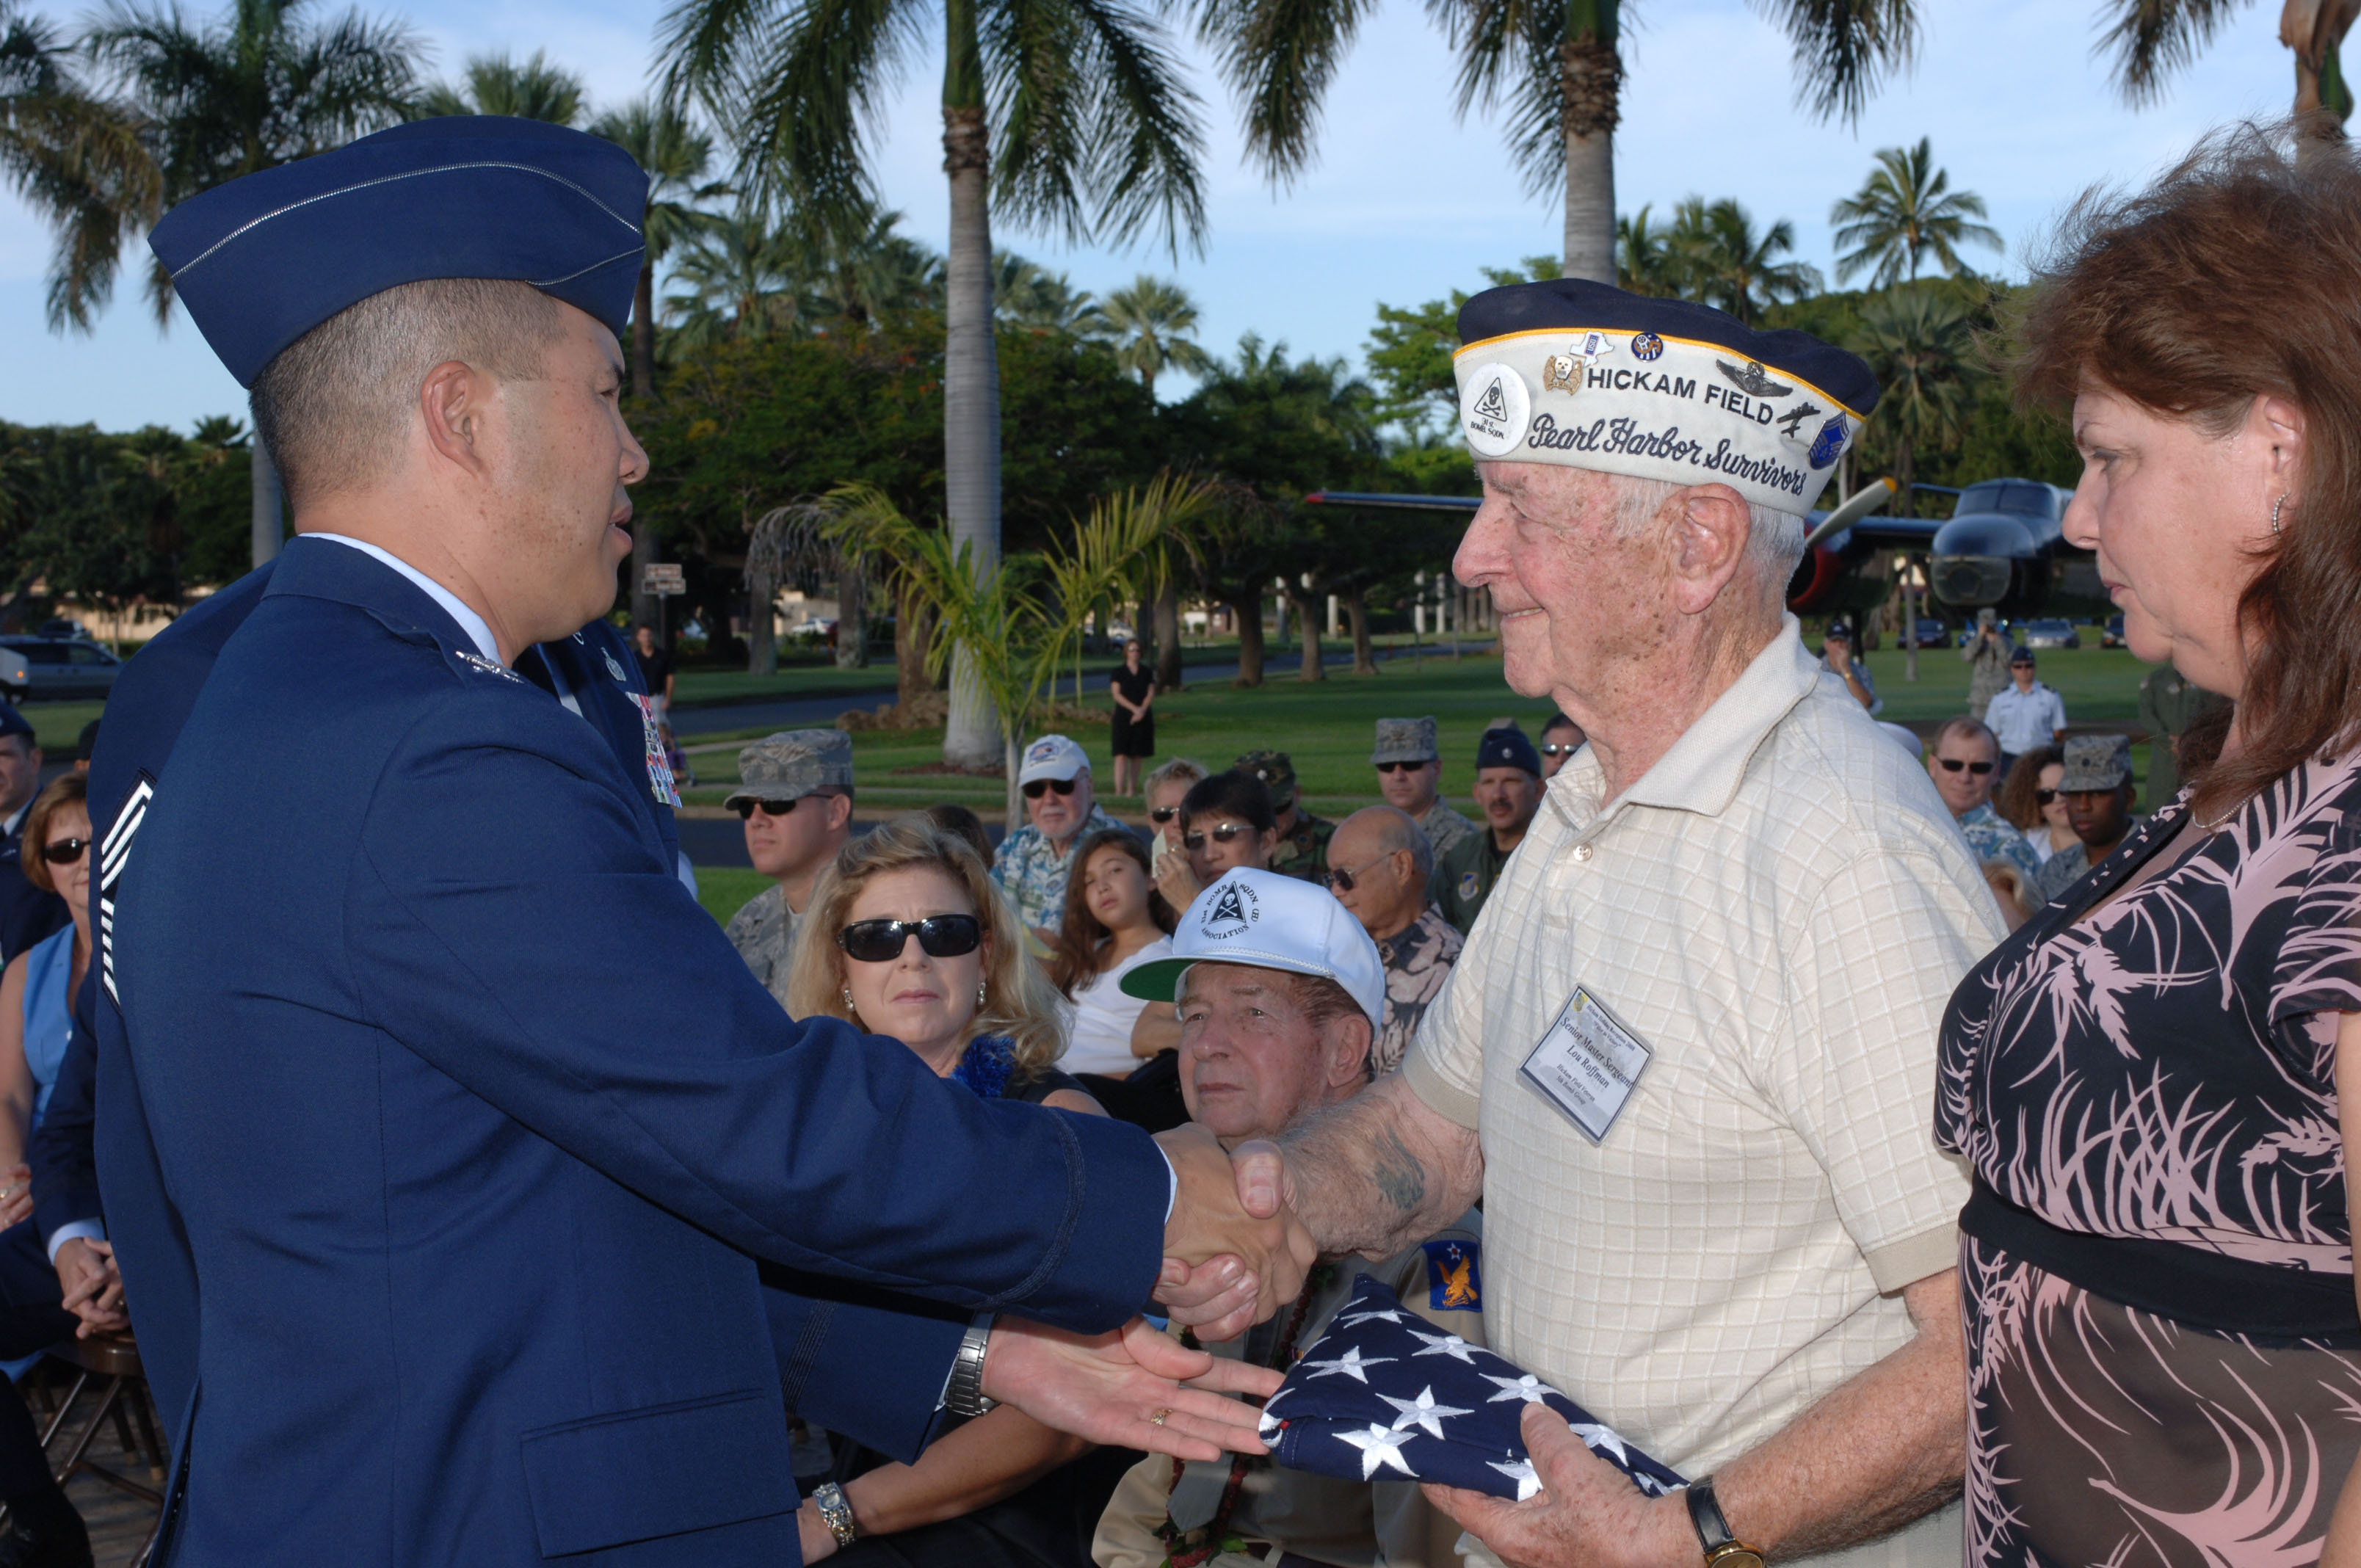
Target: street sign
(662, 580)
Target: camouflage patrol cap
(1405, 740)
(1277, 772)
(792, 764)
(2095, 763)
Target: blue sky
(1403, 204)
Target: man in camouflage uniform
(795, 792)
(1409, 775)
(1303, 851)
(2168, 705)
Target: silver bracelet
(963, 1395)
(835, 1512)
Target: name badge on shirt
(1588, 1064)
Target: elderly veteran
(1303, 848)
(1279, 993)
(508, 1185)
(1381, 863)
(795, 794)
(1060, 810)
(1410, 774)
(1687, 1055)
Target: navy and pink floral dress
(2164, 1355)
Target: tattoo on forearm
(1399, 1174)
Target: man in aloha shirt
(1959, 748)
(1378, 864)
(1062, 810)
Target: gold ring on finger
(1157, 1420)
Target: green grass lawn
(723, 890)
(58, 725)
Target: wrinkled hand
(92, 1286)
(1586, 1512)
(1177, 880)
(1110, 1388)
(1219, 1296)
(1229, 1262)
(16, 1195)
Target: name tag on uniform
(1588, 1064)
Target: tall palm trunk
(971, 368)
(1168, 636)
(1246, 611)
(643, 391)
(1309, 622)
(1592, 86)
(267, 529)
(1356, 615)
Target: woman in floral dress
(2164, 1345)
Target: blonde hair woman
(907, 936)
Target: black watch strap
(1705, 1513)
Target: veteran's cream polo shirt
(1778, 911)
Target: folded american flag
(1385, 1394)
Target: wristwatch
(963, 1395)
(835, 1512)
(1722, 1550)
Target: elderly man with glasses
(795, 794)
(1061, 811)
(1379, 867)
(1964, 763)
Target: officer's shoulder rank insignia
(1455, 1282)
(477, 662)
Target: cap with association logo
(1052, 757)
(1264, 920)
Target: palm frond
(1841, 47)
(2151, 40)
(1280, 57)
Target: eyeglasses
(939, 936)
(1953, 764)
(1561, 748)
(64, 852)
(1402, 767)
(769, 807)
(2044, 796)
(1160, 814)
(1192, 842)
(1033, 790)
(1340, 879)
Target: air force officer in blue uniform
(464, 1124)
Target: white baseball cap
(1052, 757)
(1269, 921)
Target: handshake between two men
(1225, 1269)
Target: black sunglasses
(1561, 748)
(1221, 835)
(1162, 814)
(1033, 790)
(939, 936)
(1953, 764)
(1400, 767)
(2044, 796)
(1341, 880)
(65, 852)
(769, 807)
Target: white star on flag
(1521, 1473)
(1385, 1317)
(1422, 1412)
(1451, 1345)
(1379, 1446)
(1528, 1387)
(1349, 1364)
(1595, 1436)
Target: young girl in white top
(1114, 918)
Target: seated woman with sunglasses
(1226, 821)
(920, 945)
(1115, 921)
(2030, 803)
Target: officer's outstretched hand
(1228, 1264)
(1134, 1388)
(1219, 1296)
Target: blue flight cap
(1583, 375)
(1507, 748)
(263, 259)
(14, 723)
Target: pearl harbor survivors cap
(263, 259)
(1405, 740)
(1052, 757)
(1265, 920)
(792, 764)
(1585, 376)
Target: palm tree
(75, 158)
(1727, 265)
(2151, 40)
(259, 87)
(1905, 209)
(1646, 260)
(869, 271)
(1030, 298)
(1919, 340)
(495, 85)
(1154, 325)
(1095, 133)
(1554, 66)
(737, 277)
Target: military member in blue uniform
(458, 1123)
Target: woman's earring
(848, 999)
(980, 987)
(2275, 511)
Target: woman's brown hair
(1075, 958)
(1018, 1002)
(2015, 803)
(66, 789)
(2237, 275)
